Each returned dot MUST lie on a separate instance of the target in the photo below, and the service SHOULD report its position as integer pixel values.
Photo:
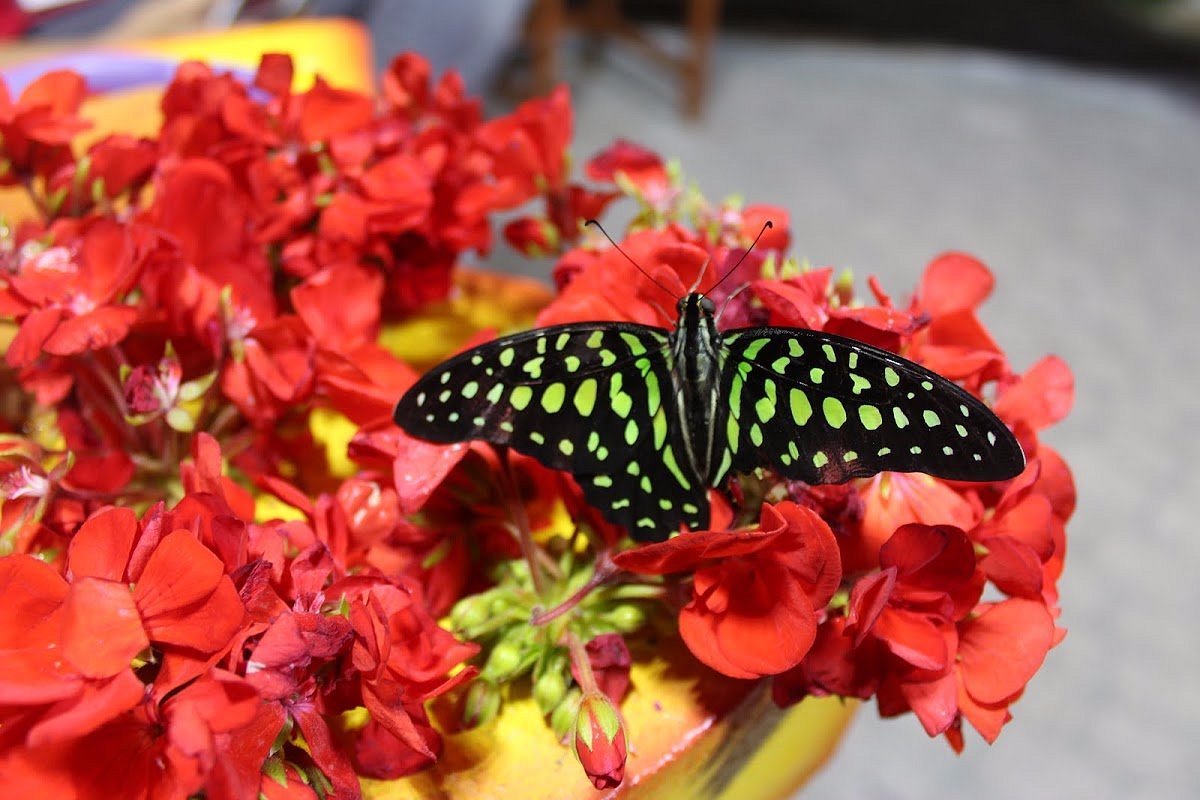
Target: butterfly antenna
(725, 304)
(630, 260)
(733, 269)
(699, 276)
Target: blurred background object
(1057, 140)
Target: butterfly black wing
(587, 398)
(824, 409)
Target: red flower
(756, 593)
(624, 160)
(73, 293)
(181, 594)
(999, 650)
(1039, 398)
(954, 343)
(927, 579)
(1018, 538)
(36, 131)
(157, 749)
(402, 657)
(894, 499)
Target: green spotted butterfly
(646, 419)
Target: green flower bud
(503, 661)
(562, 718)
(470, 612)
(482, 703)
(549, 690)
(625, 618)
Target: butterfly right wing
(587, 398)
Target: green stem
(605, 569)
(583, 665)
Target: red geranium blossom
(756, 593)
(36, 131)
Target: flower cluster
(876, 587)
(224, 565)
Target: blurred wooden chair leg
(602, 19)
(703, 16)
(547, 19)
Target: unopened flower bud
(470, 612)
(549, 689)
(626, 618)
(600, 741)
(562, 718)
(503, 661)
(482, 703)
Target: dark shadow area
(1120, 34)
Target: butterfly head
(694, 303)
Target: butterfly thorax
(695, 374)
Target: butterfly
(646, 419)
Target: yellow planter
(695, 735)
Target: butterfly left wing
(588, 398)
(824, 409)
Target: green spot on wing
(752, 349)
(553, 397)
(870, 417)
(634, 344)
(835, 412)
(585, 397)
(520, 397)
(801, 408)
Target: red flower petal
(32, 593)
(1043, 396)
(326, 111)
(60, 91)
(36, 328)
(868, 599)
(102, 631)
(420, 467)
(1013, 566)
(185, 598)
(639, 165)
(954, 282)
(1002, 648)
(101, 546)
(99, 703)
(274, 75)
(748, 622)
(913, 637)
(934, 702)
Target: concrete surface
(1082, 191)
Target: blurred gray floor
(1082, 191)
